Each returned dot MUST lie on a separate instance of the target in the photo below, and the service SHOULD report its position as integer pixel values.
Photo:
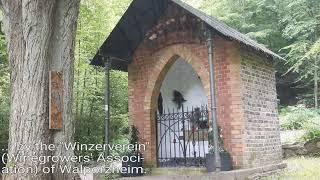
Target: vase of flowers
(226, 162)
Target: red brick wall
(146, 74)
(259, 98)
(148, 70)
(177, 35)
(173, 37)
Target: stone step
(182, 171)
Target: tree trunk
(40, 36)
(316, 83)
(83, 92)
(78, 72)
(95, 93)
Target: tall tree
(301, 22)
(97, 18)
(40, 37)
(288, 27)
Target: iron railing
(182, 137)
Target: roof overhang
(141, 16)
(130, 32)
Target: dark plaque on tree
(55, 100)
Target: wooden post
(55, 100)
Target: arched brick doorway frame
(163, 60)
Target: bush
(90, 130)
(313, 131)
(298, 117)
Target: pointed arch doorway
(182, 118)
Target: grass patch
(299, 168)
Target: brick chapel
(163, 46)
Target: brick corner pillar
(260, 111)
(247, 105)
(229, 98)
(140, 111)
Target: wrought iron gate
(182, 137)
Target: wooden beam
(55, 100)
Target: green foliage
(290, 28)
(314, 49)
(312, 128)
(299, 117)
(258, 19)
(85, 133)
(313, 132)
(4, 96)
(96, 20)
(133, 138)
(301, 21)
